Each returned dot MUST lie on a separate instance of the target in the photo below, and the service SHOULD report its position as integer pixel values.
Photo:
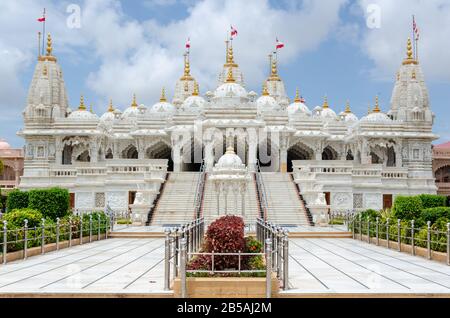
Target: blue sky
(124, 47)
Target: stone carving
(357, 200)
(342, 200)
(373, 201)
(117, 199)
(100, 200)
(84, 200)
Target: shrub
(17, 217)
(407, 207)
(433, 214)
(52, 202)
(432, 200)
(17, 200)
(123, 221)
(372, 214)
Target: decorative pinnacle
(49, 45)
(347, 107)
(230, 150)
(273, 70)
(163, 95)
(196, 89)
(134, 104)
(297, 96)
(230, 78)
(409, 54)
(229, 60)
(377, 105)
(110, 107)
(325, 102)
(369, 109)
(409, 49)
(82, 106)
(265, 92)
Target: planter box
(226, 287)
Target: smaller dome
(4, 145)
(230, 90)
(376, 117)
(229, 160)
(81, 114)
(194, 102)
(109, 115)
(328, 113)
(350, 117)
(131, 111)
(163, 106)
(266, 103)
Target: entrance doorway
(131, 196)
(387, 201)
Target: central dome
(230, 90)
(230, 160)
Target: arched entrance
(299, 151)
(160, 150)
(329, 153)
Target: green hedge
(17, 217)
(432, 200)
(52, 202)
(17, 200)
(433, 214)
(407, 207)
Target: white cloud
(386, 46)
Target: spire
(163, 95)
(196, 89)
(347, 107)
(110, 107)
(265, 92)
(297, 96)
(48, 56)
(274, 69)
(409, 54)
(377, 105)
(325, 102)
(229, 61)
(230, 78)
(82, 106)
(187, 69)
(134, 104)
(369, 109)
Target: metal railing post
(399, 236)
(268, 268)
(42, 236)
(5, 240)
(448, 243)
(57, 234)
(279, 251)
(429, 240)
(368, 230)
(387, 232)
(377, 229)
(413, 251)
(99, 223)
(167, 259)
(70, 231)
(81, 229)
(176, 253)
(183, 268)
(90, 227)
(25, 239)
(107, 225)
(353, 227)
(285, 261)
(360, 227)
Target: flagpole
(39, 44)
(43, 33)
(414, 37)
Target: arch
(349, 155)
(130, 152)
(84, 157)
(109, 154)
(375, 158)
(67, 155)
(391, 157)
(160, 150)
(443, 174)
(298, 151)
(8, 173)
(329, 153)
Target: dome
(266, 103)
(4, 145)
(131, 111)
(163, 106)
(230, 90)
(194, 103)
(109, 115)
(298, 106)
(376, 117)
(82, 113)
(350, 117)
(328, 113)
(229, 160)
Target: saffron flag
(41, 19)
(234, 32)
(279, 45)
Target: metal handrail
(199, 190)
(261, 190)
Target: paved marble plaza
(135, 266)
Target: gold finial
(230, 78)
(409, 54)
(110, 107)
(49, 45)
(196, 89)
(413, 76)
(163, 95)
(325, 102)
(134, 104)
(82, 106)
(187, 68)
(265, 92)
(297, 96)
(347, 107)
(229, 61)
(377, 105)
(274, 70)
(369, 109)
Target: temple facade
(107, 159)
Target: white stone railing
(394, 173)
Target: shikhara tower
(358, 163)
